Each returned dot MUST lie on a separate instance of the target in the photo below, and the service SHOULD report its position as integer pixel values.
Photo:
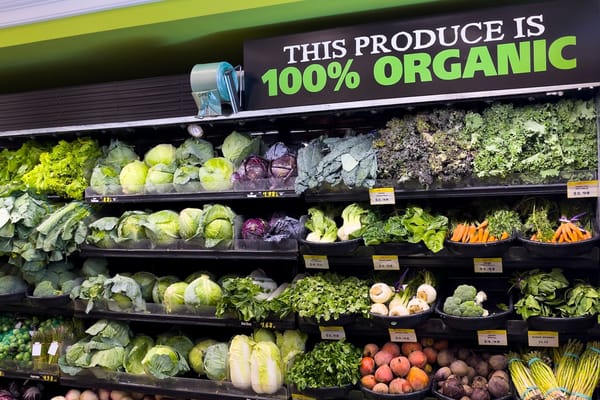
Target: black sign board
(530, 47)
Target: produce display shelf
(228, 254)
(455, 192)
(515, 258)
(176, 387)
(25, 370)
(95, 198)
(184, 315)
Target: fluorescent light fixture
(22, 12)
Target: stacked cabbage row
(258, 361)
(194, 166)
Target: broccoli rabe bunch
(466, 301)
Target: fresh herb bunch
(426, 147)
(328, 364)
(327, 296)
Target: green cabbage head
(133, 177)
(215, 174)
(160, 154)
(162, 227)
(203, 291)
(163, 362)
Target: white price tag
(487, 265)
(316, 261)
(332, 332)
(402, 335)
(492, 338)
(382, 196)
(386, 263)
(580, 189)
(36, 349)
(53, 348)
(542, 339)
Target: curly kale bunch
(426, 147)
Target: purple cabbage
(283, 167)
(282, 227)
(277, 150)
(252, 168)
(254, 229)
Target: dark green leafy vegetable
(349, 161)
(542, 292)
(328, 364)
(327, 296)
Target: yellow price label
(492, 337)
(386, 263)
(582, 189)
(542, 339)
(316, 261)
(332, 332)
(487, 265)
(382, 196)
(402, 335)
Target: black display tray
(340, 248)
(12, 297)
(488, 249)
(561, 324)
(551, 250)
(496, 319)
(399, 248)
(49, 301)
(416, 395)
(408, 321)
(327, 393)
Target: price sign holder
(487, 265)
(582, 189)
(382, 196)
(492, 337)
(316, 261)
(542, 339)
(300, 396)
(402, 335)
(386, 263)
(332, 332)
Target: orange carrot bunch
(474, 233)
(567, 232)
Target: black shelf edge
(156, 314)
(232, 254)
(457, 192)
(24, 370)
(196, 196)
(194, 388)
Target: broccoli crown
(452, 306)
(465, 293)
(470, 309)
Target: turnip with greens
(381, 292)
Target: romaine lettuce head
(160, 154)
(189, 223)
(196, 355)
(203, 291)
(132, 177)
(186, 179)
(194, 151)
(161, 284)
(160, 178)
(105, 179)
(215, 174)
(146, 281)
(217, 224)
(162, 227)
(119, 154)
(131, 227)
(173, 296)
(163, 362)
(102, 232)
(135, 352)
(215, 361)
(238, 146)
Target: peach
(381, 388)
(396, 385)
(370, 349)
(418, 359)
